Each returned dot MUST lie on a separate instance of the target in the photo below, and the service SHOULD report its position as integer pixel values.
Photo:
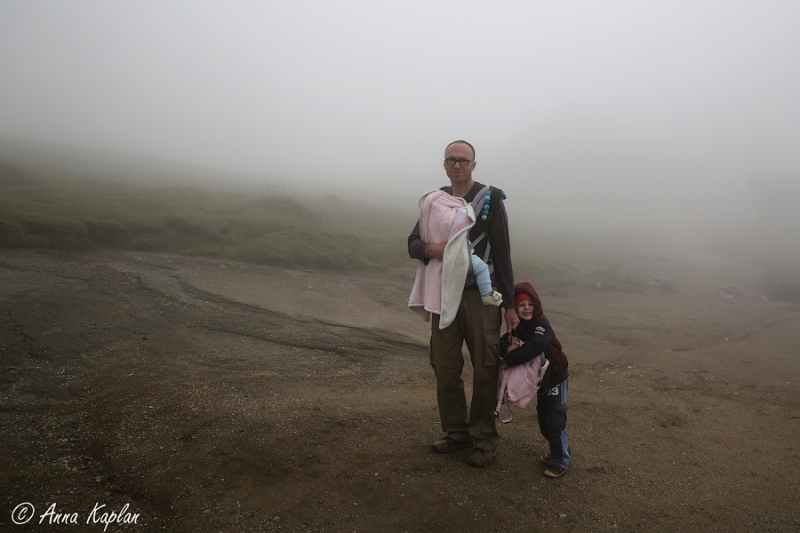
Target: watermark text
(99, 515)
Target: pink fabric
(439, 284)
(518, 385)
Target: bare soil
(215, 396)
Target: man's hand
(435, 250)
(512, 320)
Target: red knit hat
(521, 297)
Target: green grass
(332, 233)
(70, 214)
(78, 215)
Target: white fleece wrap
(439, 284)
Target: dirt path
(215, 396)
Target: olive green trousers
(479, 326)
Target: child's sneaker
(554, 471)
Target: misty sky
(668, 113)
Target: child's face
(525, 310)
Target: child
(536, 336)
(440, 283)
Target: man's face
(458, 173)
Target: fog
(676, 118)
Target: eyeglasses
(451, 161)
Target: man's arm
(503, 271)
(416, 246)
(501, 256)
(419, 249)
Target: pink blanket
(439, 284)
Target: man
(475, 323)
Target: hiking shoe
(480, 458)
(554, 472)
(449, 444)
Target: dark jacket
(537, 336)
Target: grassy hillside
(41, 210)
(68, 214)
(73, 215)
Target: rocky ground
(214, 396)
